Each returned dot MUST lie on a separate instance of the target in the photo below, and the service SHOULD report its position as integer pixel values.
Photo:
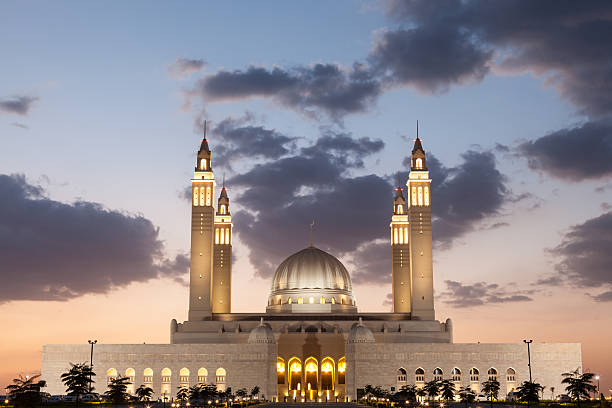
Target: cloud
(568, 46)
(185, 66)
(312, 90)
(429, 58)
(575, 154)
(281, 197)
(238, 138)
(480, 293)
(56, 251)
(20, 125)
(19, 105)
(584, 255)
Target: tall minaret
(202, 220)
(419, 211)
(222, 259)
(400, 252)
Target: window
(405, 235)
(426, 195)
(341, 370)
(418, 163)
(333, 300)
(165, 376)
(203, 164)
(401, 236)
(419, 375)
(456, 374)
(208, 196)
(492, 374)
(220, 374)
(300, 300)
(438, 374)
(147, 376)
(420, 195)
(280, 370)
(217, 236)
(111, 375)
(474, 375)
(279, 301)
(227, 236)
(195, 196)
(322, 300)
(395, 240)
(414, 196)
(311, 300)
(401, 375)
(202, 196)
(202, 376)
(222, 209)
(510, 375)
(400, 209)
(184, 377)
(289, 301)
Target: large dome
(311, 280)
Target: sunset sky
(312, 112)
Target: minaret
(400, 252)
(222, 259)
(419, 215)
(202, 220)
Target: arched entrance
(327, 378)
(312, 378)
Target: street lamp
(528, 342)
(92, 342)
(598, 392)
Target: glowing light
(311, 368)
(327, 367)
(341, 366)
(322, 300)
(280, 367)
(311, 300)
(300, 300)
(296, 368)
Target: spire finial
(311, 225)
(399, 181)
(223, 180)
(360, 321)
(204, 129)
(417, 128)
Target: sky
(311, 112)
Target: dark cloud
(578, 153)
(56, 251)
(585, 259)
(603, 297)
(566, 42)
(185, 66)
(430, 58)
(19, 105)
(352, 213)
(480, 293)
(326, 88)
(237, 138)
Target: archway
(295, 377)
(327, 377)
(312, 377)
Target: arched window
(438, 374)
(426, 195)
(280, 370)
(414, 196)
(419, 375)
(418, 163)
(341, 370)
(456, 375)
(420, 195)
(402, 377)
(400, 209)
(395, 240)
(288, 301)
(217, 236)
(300, 300)
(311, 367)
(147, 376)
(165, 375)
(203, 164)
(130, 374)
(492, 374)
(322, 300)
(202, 376)
(195, 196)
(208, 195)
(222, 209)
(327, 374)
(510, 375)
(202, 196)
(111, 374)
(405, 235)
(333, 300)
(474, 375)
(220, 375)
(184, 377)
(279, 300)
(342, 300)
(227, 236)
(401, 235)
(311, 300)
(295, 373)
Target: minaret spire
(417, 128)
(311, 225)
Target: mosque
(312, 343)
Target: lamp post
(598, 392)
(528, 342)
(92, 342)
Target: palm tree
(578, 385)
(182, 394)
(144, 393)
(529, 391)
(467, 395)
(25, 391)
(491, 389)
(552, 393)
(242, 392)
(78, 380)
(421, 392)
(117, 390)
(408, 392)
(432, 388)
(447, 390)
(255, 391)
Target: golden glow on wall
(333, 300)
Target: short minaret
(400, 252)
(202, 220)
(419, 215)
(222, 258)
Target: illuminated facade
(312, 344)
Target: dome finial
(360, 321)
(261, 321)
(311, 225)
